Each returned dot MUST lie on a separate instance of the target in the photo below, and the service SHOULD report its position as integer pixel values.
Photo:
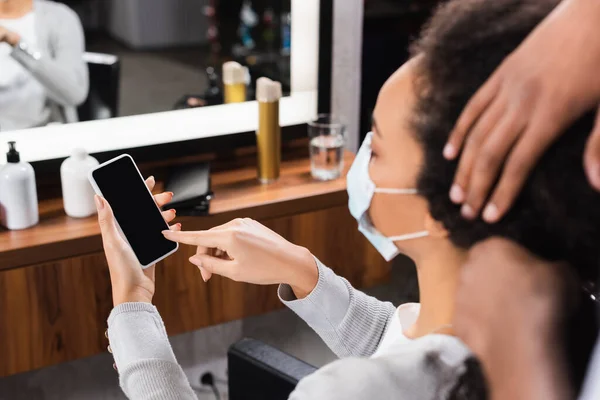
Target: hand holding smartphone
(140, 220)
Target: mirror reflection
(79, 60)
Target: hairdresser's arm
(509, 312)
(138, 340)
(547, 83)
(349, 321)
(64, 74)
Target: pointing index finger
(197, 238)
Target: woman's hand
(246, 251)
(9, 37)
(130, 283)
(547, 83)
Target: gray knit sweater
(56, 63)
(350, 322)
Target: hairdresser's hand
(509, 311)
(246, 251)
(548, 82)
(130, 283)
(9, 37)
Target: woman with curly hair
(398, 192)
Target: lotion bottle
(234, 82)
(18, 194)
(78, 194)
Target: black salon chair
(103, 97)
(259, 371)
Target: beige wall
(347, 56)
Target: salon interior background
(158, 71)
(164, 47)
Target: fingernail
(204, 274)
(174, 211)
(490, 214)
(198, 264)
(449, 151)
(467, 212)
(172, 194)
(166, 232)
(99, 202)
(457, 195)
(151, 178)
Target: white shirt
(12, 72)
(17, 85)
(404, 317)
(591, 386)
(395, 342)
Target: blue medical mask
(360, 192)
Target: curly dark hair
(557, 214)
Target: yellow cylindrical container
(234, 82)
(268, 135)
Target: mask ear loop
(396, 191)
(409, 236)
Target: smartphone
(119, 181)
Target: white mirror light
(57, 141)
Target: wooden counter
(55, 293)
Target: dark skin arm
(547, 83)
(509, 310)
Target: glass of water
(327, 140)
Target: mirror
(106, 130)
(140, 56)
(148, 55)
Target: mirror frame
(293, 125)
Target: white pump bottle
(18, 194)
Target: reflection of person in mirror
(42, 73)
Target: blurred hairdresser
(43, 76)
(541, 88)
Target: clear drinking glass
(327, 140)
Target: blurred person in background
(43, 76)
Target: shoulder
(424, 369)
(58, 12)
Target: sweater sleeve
(64, 73)
(143, 355)
(350, 322)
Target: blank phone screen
(134, 209)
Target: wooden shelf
(237, 193)
(55, 286)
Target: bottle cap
(79, 153)
(13, 155)
(233, 73)
(268, 91)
